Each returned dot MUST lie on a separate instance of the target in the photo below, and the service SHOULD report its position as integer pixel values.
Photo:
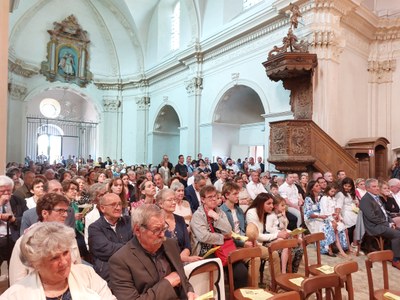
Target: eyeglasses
(61, 211)
(113, 205)
(6, 191)
(156, 231)
(211, 197)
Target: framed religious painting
(67, 54)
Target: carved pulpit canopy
(67, 53)
(294, 65)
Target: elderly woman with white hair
(182, 207)
(47, 249)
(177, 228)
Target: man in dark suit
(149, 266)
(108, 234)
(219, 165)
(377, 221)
(192, 192)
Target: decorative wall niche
(67, 54)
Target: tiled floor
(360, 280)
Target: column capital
(381, 71)
(143, 102)
(17, 91)
(194, 85)
(111, 105)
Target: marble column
(142, 125)
(112, 128)
(4, 18)
(194, 88)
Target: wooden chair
(313, 238)
(314, 285)
(384, 257)
(362, 237)
(243, 254)
(283, 280)
(286, 296)
(344, 270)
(206, 275)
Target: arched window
(175, 26)
(249, 3)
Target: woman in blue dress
(315, 221)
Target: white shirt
(254, 189)
(396, 197)
(90, 218)
(190, 180)
(235, 168)
(254, 167)
(30, 202)
(289, 192)
(165, 187)
(3, 224)
(219, 184)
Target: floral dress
(327, 206)
(318, 225)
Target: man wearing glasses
(51, 207)
(6, 218)
(149, 265)
(109, 233)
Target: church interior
(139, 79)
(149, 77)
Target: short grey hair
(198, 178)
(44, 240)
(369, 181)
(162, 195)
(142, 214)
(393, 182)
(6, 181)
(176, 185)
(95, 189)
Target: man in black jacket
(109, 233)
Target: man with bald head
(109, 233)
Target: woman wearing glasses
(177, 228)
(210, 227)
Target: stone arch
(238, 125)
(166, 134)
(78, 119)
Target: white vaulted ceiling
(116, 40)
(129, 37)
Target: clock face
(50, 108)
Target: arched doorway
(60, 122)
(238, 126)
(166, 134)
(49, 143)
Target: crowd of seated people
(166, 216)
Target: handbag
(225, 249)
(223, 252)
